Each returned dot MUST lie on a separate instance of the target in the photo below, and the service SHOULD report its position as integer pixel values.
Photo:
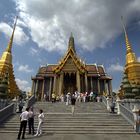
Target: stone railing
(107, 102)
(125, 108)
(31, 101)
(6, 112)
(104, 100)
(3, 103)
(126, 113)
(130, 103)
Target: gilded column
(99, 86)
(42, 96)
(61, 83)
(86, 85)
(78, 81)
(50, 88)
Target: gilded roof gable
(71, 56)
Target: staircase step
(76, 132)
(90, 118)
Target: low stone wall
(6, 112)
(3, 103)
(129, 109)
(130, 103)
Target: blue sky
(44, 27)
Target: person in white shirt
(23, 123)
(40, 122)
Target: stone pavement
(13, 136)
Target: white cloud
(24, 68)
(23, 85)
(139, 59)
(93, 23)
(33, 51)
(115, 68)
(21, 23)
(19, 37)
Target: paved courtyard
(13, 136)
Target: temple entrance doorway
(69, 83)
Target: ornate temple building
(70, 75)
(6, 68)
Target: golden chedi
(6, 66)
(132, 67)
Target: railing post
(118, 105)
(107, 104)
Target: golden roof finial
(130, 56)
(71, 34)
(71, 42)
(8, 49)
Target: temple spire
(71, 42)
(130, 56)
(6, 67)
(9, 47)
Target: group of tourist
(80, 97)
(84, 97)
(28, 117)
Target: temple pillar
(50, 88)
(54, 85)
(86, 85)
(78, 81)
(36, 88)
(105, 88)
(61, 83)
(42, 96)
(109, 87)
(57, 85)
(33, 88)
(99, 86)
(91, 82)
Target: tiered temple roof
(71, 57)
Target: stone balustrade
(31, 101)
(6, 112)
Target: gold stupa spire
(8, 49)
(6, 66)
(7, 56)
(130, 55)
